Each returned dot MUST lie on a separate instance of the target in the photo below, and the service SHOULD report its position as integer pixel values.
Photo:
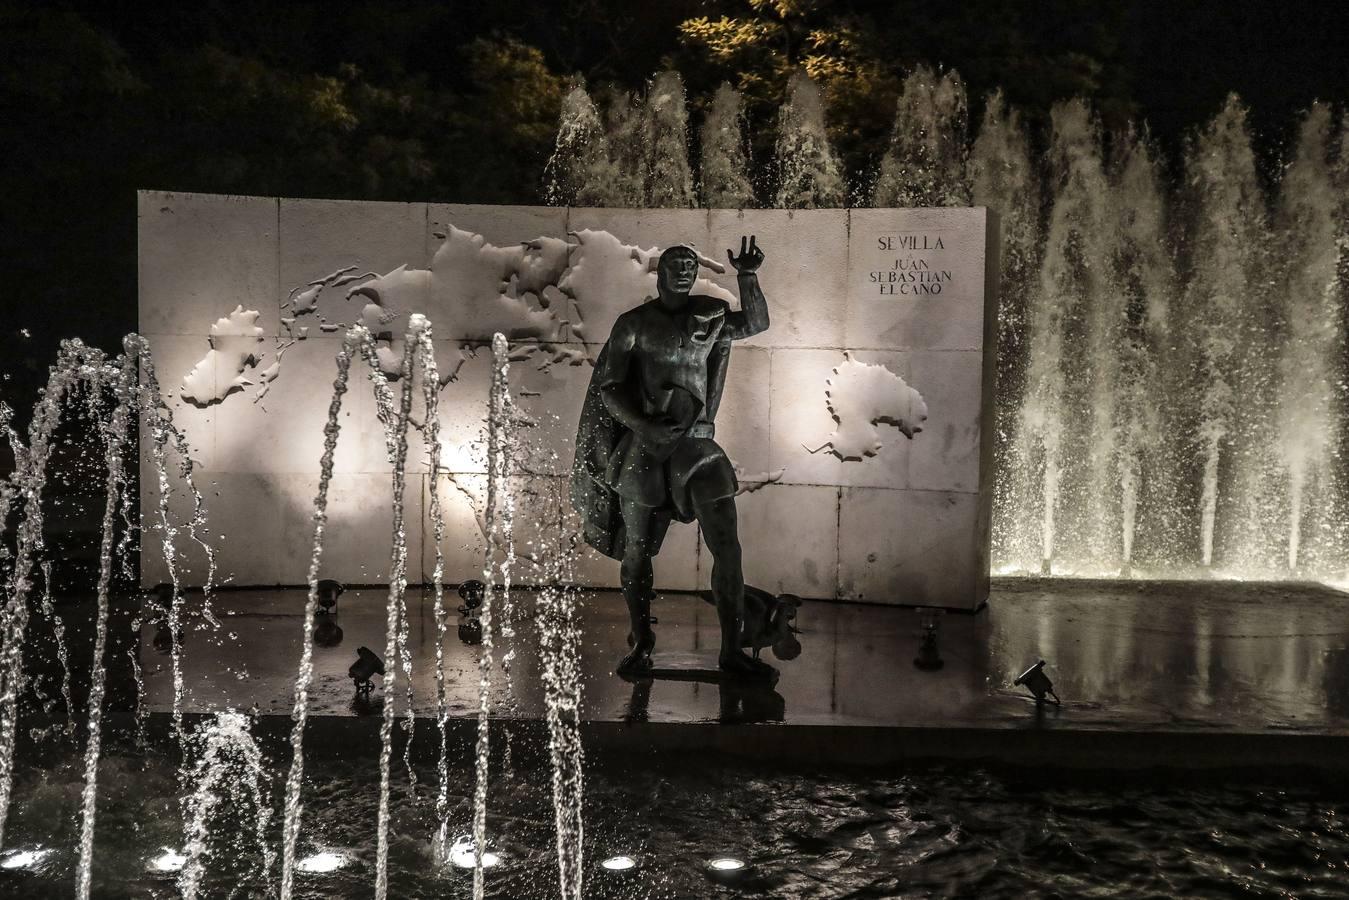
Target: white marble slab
(322, 237)
(358, 538)
(945, 456)
(905, 292)
(743, 417)
(804, 272)
(910, 548)
(555, 280)
(284, 431)
(788, 539)
(201, 255)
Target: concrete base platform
(1179, 674)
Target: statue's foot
(638, 659)
(637, 662)
(648, 631)
(738, 662)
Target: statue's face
(678, 271)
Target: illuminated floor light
(727, 869)
(461, 854)
(324, 861)
(619, 863)
(168, 861)
(23, 859)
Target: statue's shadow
(740, 702)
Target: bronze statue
(645, 452)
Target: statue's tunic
(674, 365)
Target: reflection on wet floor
(1155, 656)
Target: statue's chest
(680, 341)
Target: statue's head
(677, 270)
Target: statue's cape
(597, 434)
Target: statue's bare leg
(637, 579)
(717, 518)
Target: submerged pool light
(168, 861)
(323, 861)
(461, 854)
(619, 864)
(726, 869)
(24, 859)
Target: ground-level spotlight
(24, 859)
(470, 631)
(323, 861)
(929, 656)
(168, 861)
(619, 864)
(1037, 682)
(328, 590)
(472, 593)
(461, 854)
(726, 869)
(366, 667)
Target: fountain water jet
(396, 627)
(1145, 276)
(671, 181)
(559, 652)
(1002, 178)
(153, 408)
(498, 487)
(724, 172)
(1229, 221)
(59, 633)
(628, 127)
(1311, 354)
(925, 162)
(431, 397)
(578, 172)
(809, 175)
(116, 440)
(1067, 308)
(79, 367)
(228, 752)
(29, 480)
(295, 780)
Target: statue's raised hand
(750, 258)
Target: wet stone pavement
(1197, 660)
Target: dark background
(459, 102)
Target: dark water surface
(846, 834)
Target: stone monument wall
(878, 316)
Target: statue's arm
(716, 377)
(752, 317)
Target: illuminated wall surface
(879, 316)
